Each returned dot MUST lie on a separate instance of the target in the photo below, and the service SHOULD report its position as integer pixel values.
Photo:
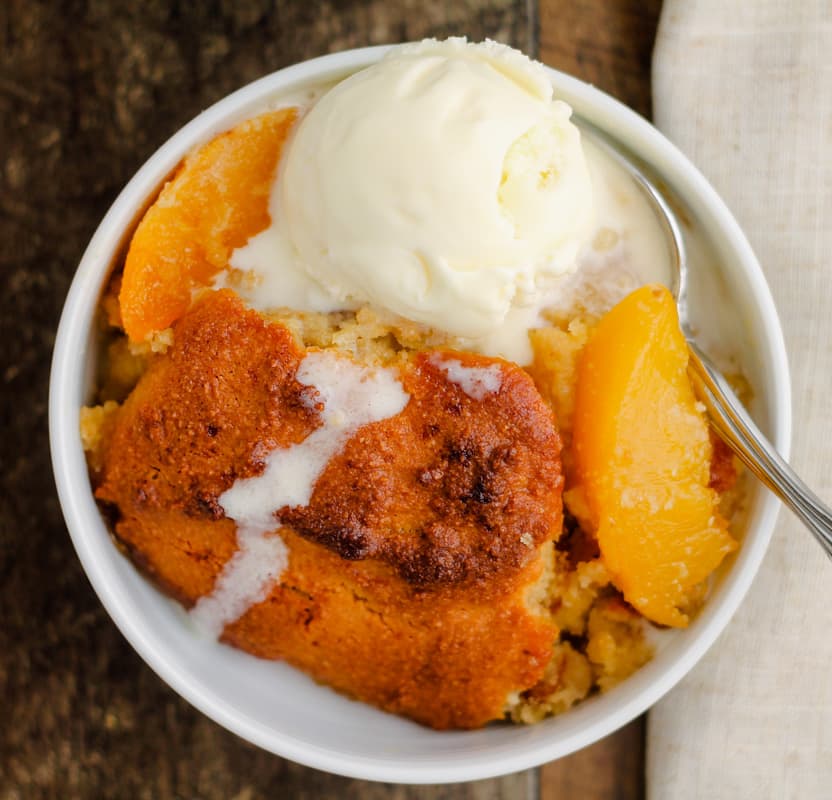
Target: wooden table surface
(87, 91)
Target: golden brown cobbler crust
(410, 570)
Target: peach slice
(216, 201)
(642, 456)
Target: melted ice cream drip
(476, 382)
(348, 397)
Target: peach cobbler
(399, 405)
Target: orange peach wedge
(642, 456)
(215, 202)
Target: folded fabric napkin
(744, 88)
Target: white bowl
(279, 708)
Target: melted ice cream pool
(348, 396)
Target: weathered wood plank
(307, 784)
(608, 44)
(612, 769)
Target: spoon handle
(735, 426)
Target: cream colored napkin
(744, 88)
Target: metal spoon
(727, 415)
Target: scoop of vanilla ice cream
(443, 184)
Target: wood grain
(612, 769)
(608, 44)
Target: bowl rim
(80, 512)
